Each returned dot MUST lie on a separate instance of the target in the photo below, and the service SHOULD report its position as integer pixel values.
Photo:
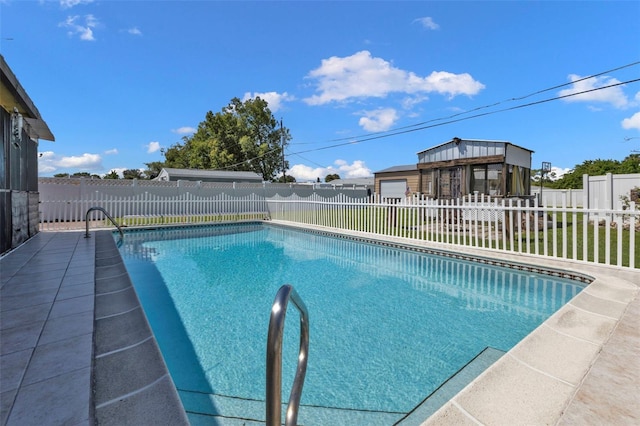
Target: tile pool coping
(579, 366)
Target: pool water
(387, 326)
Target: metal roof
(212, 174)
(471, 141)
(404, 168)
(352, 181)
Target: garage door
(393, 188)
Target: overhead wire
(452, 118)
(485, 106)
(415, 129)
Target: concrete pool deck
(581, 366)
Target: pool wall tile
(111, 271)
(116, 302)
(132, 384)
(121, 331)
(151, 406)
(140, 365)
(112, 284)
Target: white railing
(148, 209)
(512, 225)
(608, 236)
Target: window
(487, 179)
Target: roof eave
(14, 96)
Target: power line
(452, 118)
(410, 130)
(394, 131)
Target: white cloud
(427, 23)
(48, 162)
(186, 130)
(378, 120)
(362, 76)
(411, 101)
(118, 170)
(84, 31)
(113, 151)
(275, 100)
(357, 169)
(134, 31)
(613, 95)
(632, 122)
(304, 173)
(555, 174)
(68, 4)
(153, 147)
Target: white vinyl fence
(148, 209)
(609, 236)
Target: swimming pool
(388, 326)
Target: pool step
(220, 410)
(451, 387)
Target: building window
(487, 179)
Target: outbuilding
(459, 167)
(224, 176)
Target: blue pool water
(387, 326)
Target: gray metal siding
(464, 149)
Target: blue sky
(116, 81)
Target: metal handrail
(86, 235)
(274, 358)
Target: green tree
(153, 169)
(243, 136)
(112, 175)
(573, 179)
(132, 174)
(287, 179)
(81, 174)
(330, 177)
(61, 175)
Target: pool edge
(131, 382)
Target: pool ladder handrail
(86, 220)
(274, 358)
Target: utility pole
(284, 176)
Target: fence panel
(510, 225)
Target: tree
(330, 177)
(243, 136)
(573, 179)
(287, 179)
(132, 174)
(153, 169)
(61, 175)
(112, 175)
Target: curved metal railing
(86, 220)
(274, 358)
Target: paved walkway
(46, 339)
(46, 331)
